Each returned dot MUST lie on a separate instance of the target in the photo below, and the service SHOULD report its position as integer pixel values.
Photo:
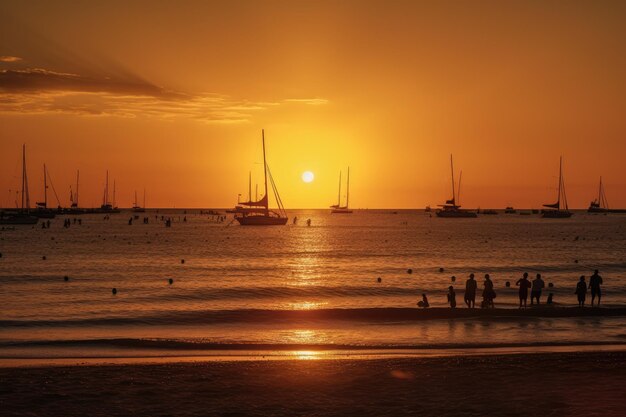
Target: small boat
(107, 207)
(257, 213)
(510, 210)
(74, 209)
(427, 209)
(42, 211)
(556, 211)
(489, 211)
(137, 208)
(450, 209)
(22, 215)
(601, 205)
(338, 208)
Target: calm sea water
(238, 285)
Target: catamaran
(450, 209)
(22, 215)
(257, 213)
(601, 205)
(557, 211)
(338, 208)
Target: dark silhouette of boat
(451, 209)
(509, 210)
(23, 214)
(601, 205)
(257, 213)
(487, 211)
(107, 207)
(41, 208)
(338, 208)
(74, 208)
(136, 207)
(558, 210)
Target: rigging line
(276, 194)
(55, 191)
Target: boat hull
(556, 214)
(341, 211)
(458, 214)
(261, 220)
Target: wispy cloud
(8, 58)
(36, 90)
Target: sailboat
(257, 213)
(74, 209)
(21, 216)
(137, 208)
(556, 210)
(601, 205)
(338, 208)
(106, 206)
(42, 211)
(450, 209)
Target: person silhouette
(451, 297)
(470, 292)
(581, 291)
(594, 285)
(523, 285)
(488, 293)
(537, 286)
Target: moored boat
(558, 210)
(451, 209)
(338, 208)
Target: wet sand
(548, 384)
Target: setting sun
(308, 176)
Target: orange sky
(172, 97)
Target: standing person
(535, 291)
(470, 292)
(594, 285)
(523, 284)
(581, 291)
(451, 297)
(488, 293)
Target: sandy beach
(549, 384)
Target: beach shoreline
(573, 383)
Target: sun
(308, 176)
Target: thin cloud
(40, 91)
(309, 101)
(8, 58)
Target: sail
(261, 203)
(555, 205)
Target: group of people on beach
(535, 287)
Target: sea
(329, 286)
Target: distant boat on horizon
(137, 208)
(21, 215)
(601, 204)
(257, 213)
(556, 210)
(42, 211)
(107, 206)
(451, 209)
(338, 208)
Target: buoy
(440, 269)
(409, 271)
(379, 279)
(575, 261)
(66, 278)
(43, 258)
(508, 284)
(550, 285)
(453, 278)
(114, 291)
(171, 281)
(182, 261)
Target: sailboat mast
(458, 197)
(348, 189)
(452, 170)
(560, 182)
(249, 186)
(106, 190)
(267, 201)
(23, 173)
(135, 198)
(114, 192)
(45, 188)
(76, 195)
(339, 195)
(600, 192)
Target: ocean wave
(368, 315)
